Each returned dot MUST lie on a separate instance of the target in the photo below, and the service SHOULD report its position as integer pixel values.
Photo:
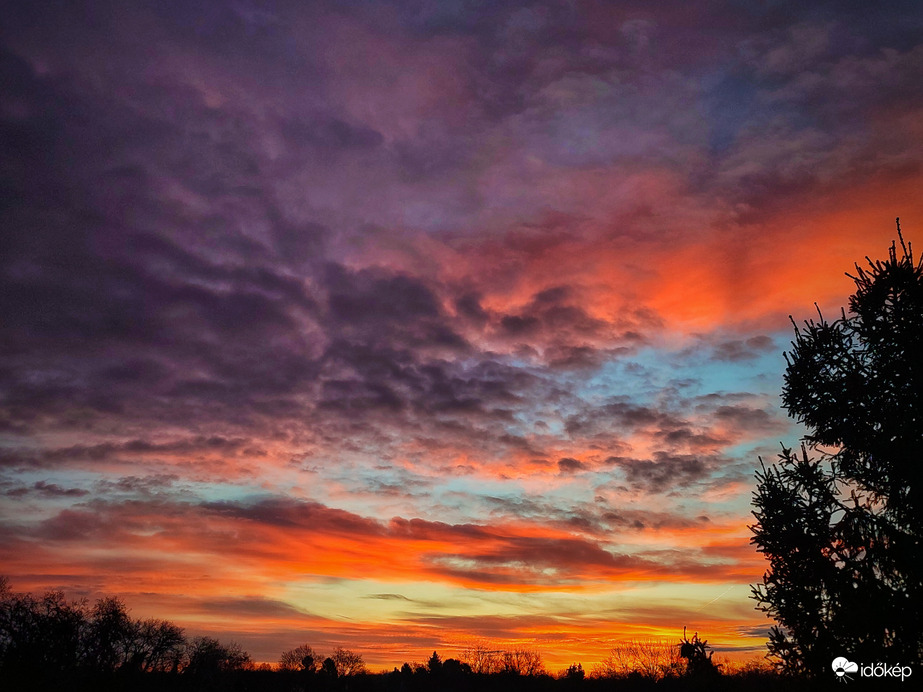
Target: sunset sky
(400, 326)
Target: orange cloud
(290, 540)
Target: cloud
(748, 420)
(251, 607)
(289, 291)
(743, 349)
(278, 538)
(569, 465)
(47, 490)
(123, 454)
(663, 472)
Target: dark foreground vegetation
(50, 643)
(840, 522)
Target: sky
(408, 326)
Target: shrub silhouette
(697, 655)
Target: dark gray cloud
(46, 490)
(746, 418)
(744, 349)
(639, 520)
(626, 418)
(75, 526)
(284, 512)
(139, 485)
(598, 519)
(116, 306)
(570, 465)
(663, 472)
(123, 302)
(116, 453)
(329, 134)
(248, 606)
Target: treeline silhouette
(50, 643)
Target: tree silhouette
(841, 529)
(155, 646)
(347, 662)
(482, 657)
(646, 658)
(434, 664)
(329, 669)
(40, 637)
(523, 662)
(208, 658)
(109, 636)
(302, 657)
(574, 672)
(51, 643)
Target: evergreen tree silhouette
(840, 522)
